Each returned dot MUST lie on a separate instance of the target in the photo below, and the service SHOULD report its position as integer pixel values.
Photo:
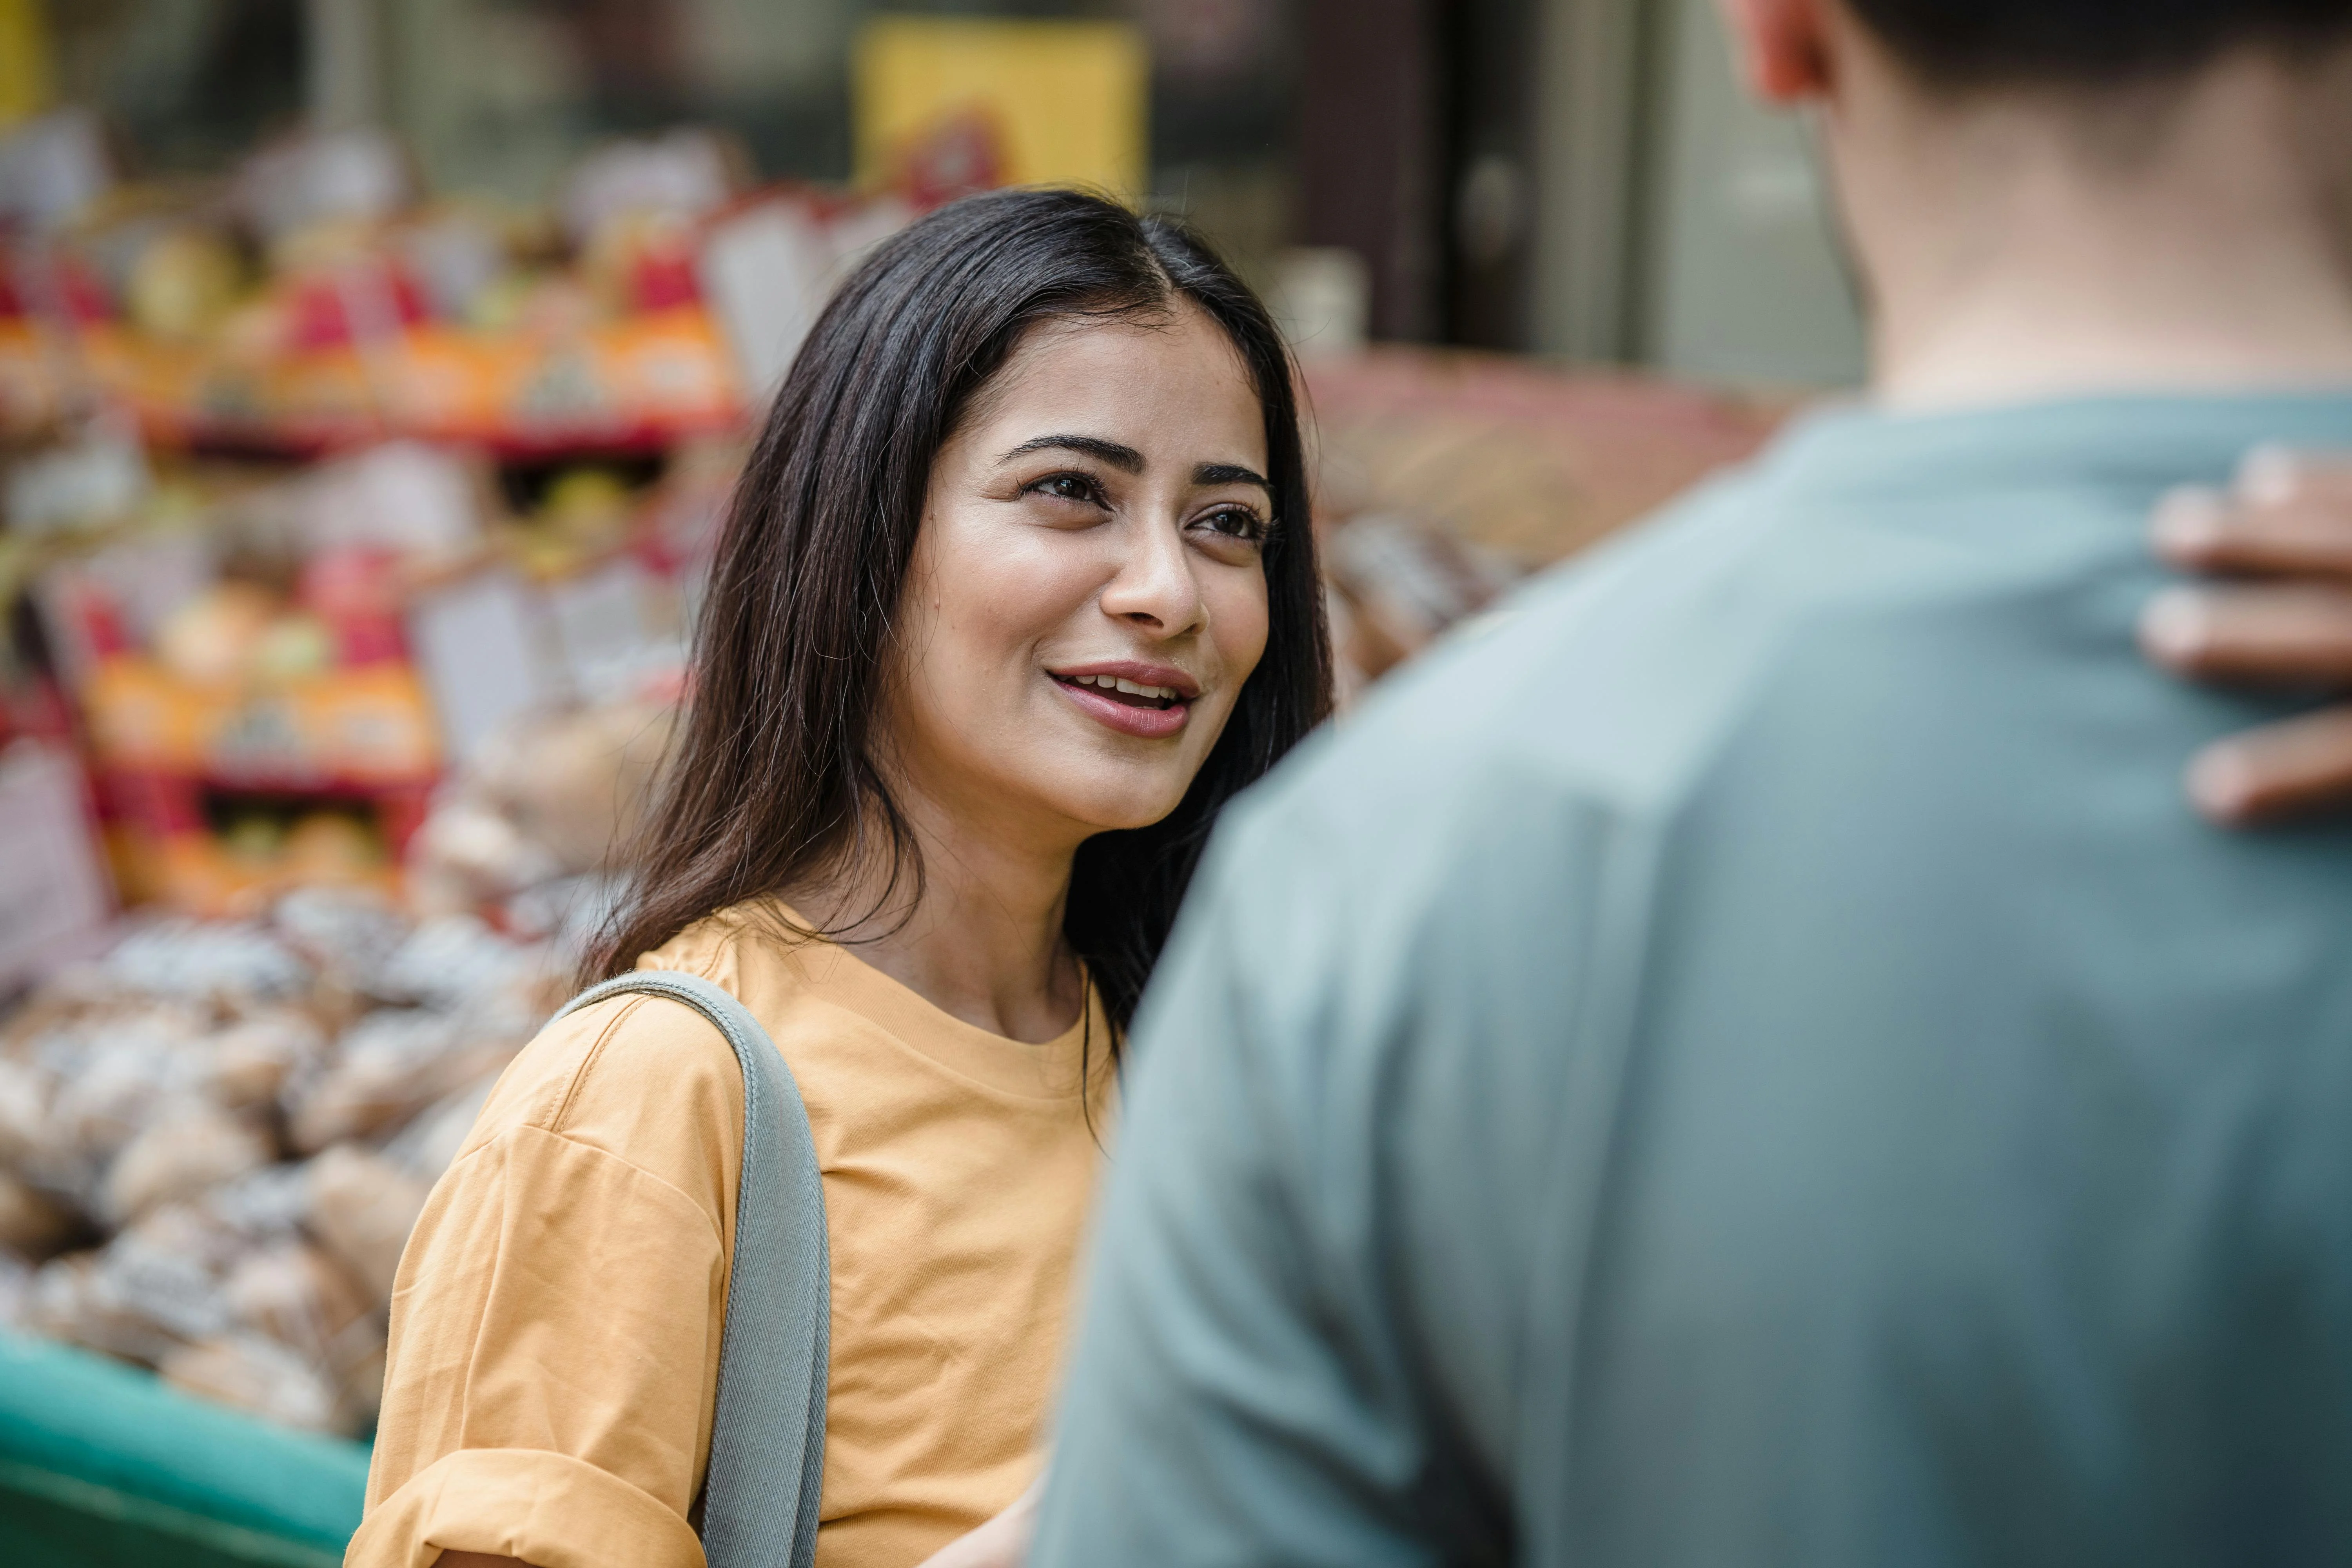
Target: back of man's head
(2047, 196)
(1999, 43)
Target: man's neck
(2011, 260)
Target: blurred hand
(2280, 615)
(1001, 1542)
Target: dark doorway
(1417, 131)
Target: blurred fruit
(257, 839)
(587, 501)
(643, 261)
(183, 283)
(356, 591)
(213, 638)
(294, 647)
(555, 306)
(362, 301)
(330, 846)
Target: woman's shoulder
(645, 1080)
(643, 1077)
(629, 1045)
(755, 945)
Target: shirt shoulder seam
(512, 1133)
(595, 1052)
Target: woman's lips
(1128, 719)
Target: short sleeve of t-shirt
(527, 1417)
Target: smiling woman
(1018, 589)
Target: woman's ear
(1784, 47)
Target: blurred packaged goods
(1530, 462)
(241, 636)
(55, 900)
(528, 829)
(1443, 477)
(215, 1136)
(215, 1139)
(316, 486)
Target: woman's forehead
(1177, 376)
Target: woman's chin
(1123, 811)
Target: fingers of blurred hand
(2278, 772)
(2300, 531)
(2289, 512)
(2282, 634)
(2273, 476)
(2290, 516)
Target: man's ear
(1784, 47)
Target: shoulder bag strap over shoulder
(767, 1432)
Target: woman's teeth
(1159, 694)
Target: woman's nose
(1155, 587)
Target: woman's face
(1087, 597)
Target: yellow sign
(24, 61)
(1056, 103)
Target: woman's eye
(1068, 486)
(1237, 523)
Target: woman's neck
(984, 942)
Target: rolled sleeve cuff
(550, 1510)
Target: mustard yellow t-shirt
(555, 1327)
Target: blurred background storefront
(372, 376)
(1569, 177)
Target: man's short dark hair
(1996, 43)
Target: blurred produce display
(350, 542)
(314, 300)
(274, 669)
(214, 1139)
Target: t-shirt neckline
(835, 973)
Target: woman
(1017, 590)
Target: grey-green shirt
(1752, 1060)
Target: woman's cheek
(1238, 619)
(1039, 581)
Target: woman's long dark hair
(772, 782)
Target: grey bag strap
(767, 1430)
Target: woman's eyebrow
(1230, 474)
(1126, 459)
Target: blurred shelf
(633, 385)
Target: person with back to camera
(1754, 1059)
(1017, 589)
